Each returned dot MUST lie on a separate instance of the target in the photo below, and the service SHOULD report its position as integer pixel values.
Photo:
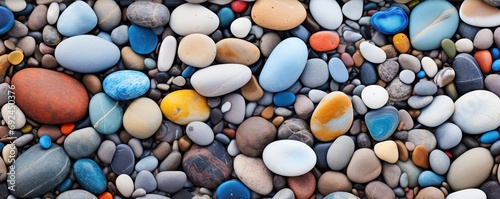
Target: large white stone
(327, 13)
(467, 194)
(193, 18)
(220, 79)
(372, 53)
(289, 158)
(166, 55)
(436, 113)
(477, 112)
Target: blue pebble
(285, 98)
(301, 32)
(142, 40)
(29, 8)
(105, 36)
(45, 142)
(495, 53)
(6, 19)
(429, 178)
(390, 21)
(148, 163)
(490, 137)
(370, 6)
(226, 17)
(382, 123)
(188, 71)
(421, 74)
(77, 19)
(65, 185)
(496, 65)
(232, 189)
(338, 70)
(90, 176)
(2, 145)
(126, 84)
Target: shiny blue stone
(370, 6)
(232, 189)
(421, 74)
(429, 178)
(226, 17)
(338, 71)
(490, 137)
(65, 185)
(90, 176)
(495, 53)
(29, 8)
(126, 84)
(285, 98)
(188, 71)
(142, 40)
(45, 142)
(390, 21)
(496, 65)
(301, 32)
(382, 122)
(6, 19)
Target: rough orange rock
(484, 59)
(302, 186)
(323, 41)
(401, 42)
(420, 156)
(50, 97)
(332, 117)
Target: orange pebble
(401, 42)
(484, 59)
(323, 41)
(66, 129)
(106, 195)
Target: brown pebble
(124, 136)
(302, 186)
(390, 51)
(229, 132)
(420, 156)
(347, 60)
(358, 59)
(252, 91)
(60, 141)
(38, 18)
(162, 151)
(27, 45)
(410, 146)
(267, 113)
(49, 61)
(184, 143)
(414, 113)
(403, 152)
(279, 182)
(278, 120)
(132, 60)
(51, 36)
(332, 181)
(92, 83)
(430, 192)
(378, 189)
(53, 131)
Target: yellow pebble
(401, 42)
(26, 128)
(16, 57)
(185, 106)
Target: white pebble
(429, 66)
(374, 96)
(225, 107)
(241, 27)
(372, 53)
(316, 95)
(464, 45)
(407, 76)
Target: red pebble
(449, 154)
(484, 59)
(239, 6)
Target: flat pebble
(382, 123)
(326, 125)
(200, 20)
(70, 21)
(437, 112)
(226, 82)
(364, 166)
(480, 106)
(462, 176)
(282, 157)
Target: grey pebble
(146, 181)
(236, 114)
(266, 100)
(351, 36)
(82, 143)
(119, 35)
(358, 105)
(171, 181)
(391, 174)
(303, 106)
(171, 162)
(139, 193)
(495, 148)
(368, 74)
(136, 146)
(24, 139)
(379, 39)
(358, 90)
(152, 196)
(439, 162)
(315, 73)
(363, 140)
(283, 112)
(250, 108)
(409, 62)
(425, 88)
(222, 138)
(296, 129)
(123, 161)
(316, 95)
(418, 102)
(284, 193)
(398, 91)
(106, 151)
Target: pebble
(171, 181)
(234, 50)
(124, 185)
(340, 152)
(142, 118)
(225, 82)
(439, 162)
(148, 14)
(364, 166)
(106, 151)
(374, 96)
(372, 53)
(145, 180)
(123, 160)
(197, 50)
(192, 107)
(438, 112)
(482, 106)
(295, 129)
(378, 189)
(419, 102)
(422, 137)
(382, 123)
(302, 186)
(340, 194)
(332, 181)
(444, 77)
(387, 151)
(315, 73)
(232, 189)
(409, 62)
(236, 112)
(82, 143)
(391, 174)
(89, 175)
(284, 193)
(323, 41)
(338, 70)
(470, 17)
(278, 15)
(490, 188)
(468, 75)
(70, 21)
(388, 70)
(193, 18)
(200, 133)
(108, 14)
(430, 192)
(142, 40)
(254, 174)
(251, 141)
(104, 113)
(332, 117)
(389, 21)
(470, 169)
(282, 157)
(467, 193)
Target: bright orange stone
(106, 195)
(67, 128)
(332, 117)
(324, 41)
(401, 42)
(484, 59)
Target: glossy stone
(429, 178)
(332, 117)
(105, 114)
(468, 76)
(77, 19)
(126, 84)
(82, 143)
(185, 106)
(232, 189)
(289, 158)
(123, 160)
(390, 21)
(6, 20)
(89, 175)
(338, 70)
(382, 123)
(142, 40)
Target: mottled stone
(296, 129)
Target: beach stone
(214, 160)
(484, 60)
(424, 33)
(422, 137)
(430, 192)
(12, 113)
(167, 53)
(278, 15)
(467, 193)
(391, 174)
(126, 84)
(444, 77)
(378, 189)
(374, 96)
(89, 175)
(464, 45)
(420, 157)
(411, 173)
(50, 97)
(303, 106)
(364, 166)
(82, 143)
(240, 27)
(387, 151)
(327, 14)
(462, 175)
(185, 106)
(289, 158)
(142, 118)
(382, 123)
(439, 162)
(284, 193)
(468, 76)
(388, 70)
(193, 18)
(372, 53)
(448, 135)
(280, 72)
(239, 51)
(15, 6)
(339, 72)
(482, 19)
(145, 180)
(105, 114)
(438, 112)
(220, 79)
(254, 174)
(236, 114)
(295, 129)
(390, 21)
(197, 50)
(353, 9)
(200, 133)
(7, 20)
(251, 141)
(76, 193)
(38, 18)
(148, 14)
(409, 62)
(53, 13)
(232, 188)
(429, 66)
(105, 54)
(18, 30)
(315, 73)
(326, 124)
(70, 21)
(302, 186)
(123, 160)
(418, 102)
(142, 40)
(252, 91)
(108, 14)
(148, 163)
(483, 39)
(171, 181)
(268, 42)
(481, 110)
(324, 41)
(490, 188)
(119, 35)
(106, 151)
(56, 168)
(340, 194)
(340, 152)
(124, 185)
(332, 181)
(491, 83)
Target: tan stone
(252, 90)
(332, 181)
(387, 151)
(278, 14)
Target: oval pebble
(200, 133)
(289, 157)
(200, 20)
(229, 77)
(126, 84)
(374, 96)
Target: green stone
(449, 48)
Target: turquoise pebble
(421, 74)
(429, 178)
(390, 21)
(490, 137)
(301, 32)
(65, 185)
(105, 114)
(6, 19)
(188, 72)
(126, 84)
(45, 142)
(90, 176)
(232, 189)
(495, 53)
(29, 8)
(496, 65)
(382, 122)
(285, 98)
(226, 16)
(142, 40)
(150, 63)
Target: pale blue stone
(78, 18)
(126, 84)
(390, 21)
(382, 123)
(90, 176)
(301, 32)
(105, 114)
(106, 36)
(338, 71)
(77, 193)
(148, 163)
(340, 195)
(146, 181)
(284, 66)
(429, 178)
(431, 22)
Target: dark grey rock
(388, 70)
(363, 140)
(467, 31)
(123, 161)
(368, 74)
(321, 150)
(468, 76)
(491, 189)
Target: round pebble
(374, 96)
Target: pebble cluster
(250, 99)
